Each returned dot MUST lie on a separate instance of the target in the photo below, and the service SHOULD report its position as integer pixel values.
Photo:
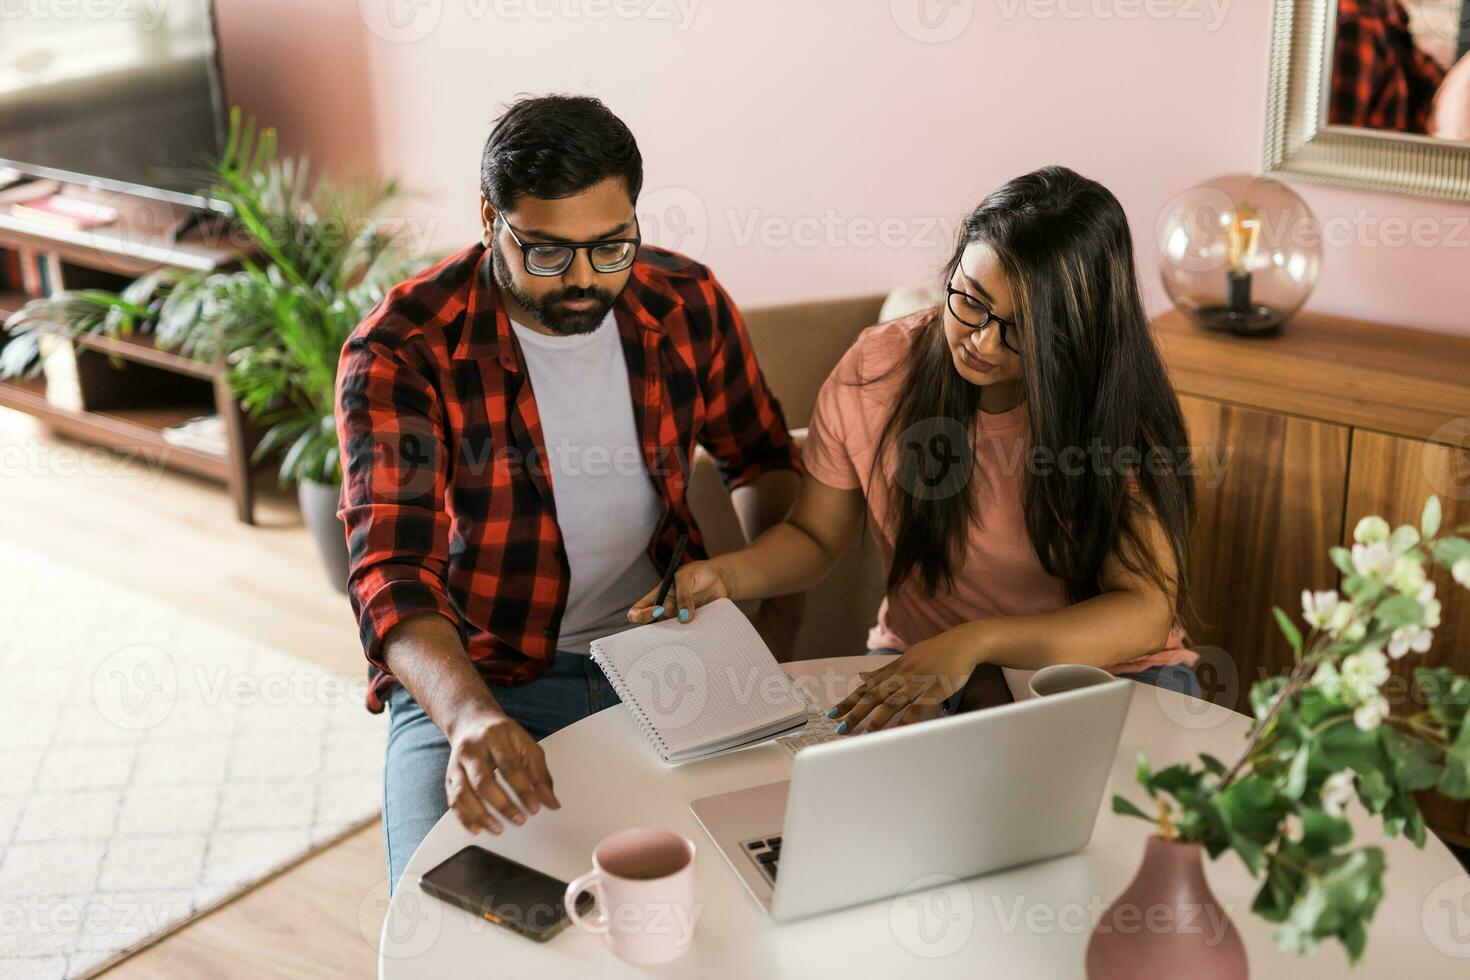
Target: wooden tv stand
(122, 392)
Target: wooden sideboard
(1329, 421)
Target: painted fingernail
(832, 713)
(842, 728)
(683, 615)
(658, 611)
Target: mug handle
(591, 881)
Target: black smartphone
(503, 891)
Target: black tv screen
(130, 100)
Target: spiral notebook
(701, 688)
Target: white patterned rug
(153, 765)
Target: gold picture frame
(1300, 143)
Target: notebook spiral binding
(615, 678)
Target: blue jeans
(1171, 677)
(418, 753)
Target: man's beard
(548, 310)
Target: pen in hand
(663, 589)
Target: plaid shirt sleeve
(1380, 78)
(391, 438)
(744, 429)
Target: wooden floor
(176, 537)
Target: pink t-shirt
(1001, 575)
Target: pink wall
(811, 148)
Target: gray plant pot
(319, 512)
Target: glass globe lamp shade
(1240, 253)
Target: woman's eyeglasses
(977, 316)
(610, 255)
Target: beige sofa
(798, 345)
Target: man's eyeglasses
(610, 255)
(977, 316)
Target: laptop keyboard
(766, 853)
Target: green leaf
(1429, 522)
(1252, 811)
(1413, 763)
(1336, 900)
(1342, 558)
(1398, 610)
(1454, 782)
(1126, 807)
(1447, 551)
(1322, 833)
(1144, 775)
(1296, 774)
(1288, 629)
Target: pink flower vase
(1167, 924)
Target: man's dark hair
(554, 146)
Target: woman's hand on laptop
(695, 584)
(909, 689)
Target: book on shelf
(202, 433)
(60, 211)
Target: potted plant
(321, 258)
(1324, 735)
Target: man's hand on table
(484, 743)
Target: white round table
(1032, 921)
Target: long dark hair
(1091, 378)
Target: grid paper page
(702, 682)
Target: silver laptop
(990, 789)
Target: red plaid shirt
(445, 493)
(1380, 78)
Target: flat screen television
(130, 101)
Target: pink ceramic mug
(643, 880)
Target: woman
(1017, 452)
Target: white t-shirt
(606, 504)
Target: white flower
(1432, 607)
(1328, 681)
(1326, 610)
(1407, 638)
(1337, 792)
(1362, 674)
(1408, 575)
(1370, 714)
(1371, 530)
(1461, 571)
(1373, 560)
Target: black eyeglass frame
(572, 248)
(1005, 326)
